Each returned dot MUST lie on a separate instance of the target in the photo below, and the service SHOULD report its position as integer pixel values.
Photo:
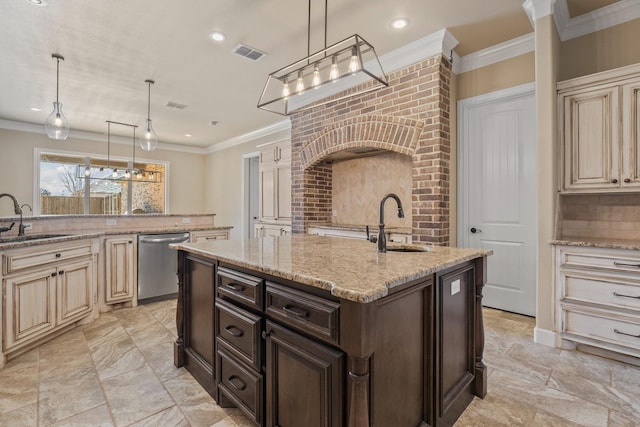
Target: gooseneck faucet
(22, 227)
(382, 239)
(16, 208)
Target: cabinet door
(284, 193)
(631, 135)
(75, 285)
(120, 266)
(268, 193)
(30, 306)
(591, 139)
(304, 381)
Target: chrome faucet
(382, 238)
(16, 208)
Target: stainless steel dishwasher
(157, 266)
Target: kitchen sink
(30, 237)
(408, 248)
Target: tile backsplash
(615, 216)
(360, 184)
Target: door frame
(247, 232)
(464, 106)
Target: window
(72, 184)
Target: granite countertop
(349, 269)
(11, 242)
(598, 242)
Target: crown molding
(570, 28)
(440, 42)
(497, 53)
(609, 16)
(93, 136)
(280, 130)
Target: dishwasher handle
(163, 239)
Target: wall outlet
(28, 225)
(186, 220)
(112, 221)
(455, 287)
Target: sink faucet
(21, 227)
(382, 238)
(16, 208)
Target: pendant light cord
(148, 104)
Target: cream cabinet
(598, 294)
(599, 142)
(264, 230)
(275, 182)
(46, 288)
(120, 269)
(204, 235)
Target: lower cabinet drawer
(306, 312)
(241, 385)
(239, 331)
(240, 287)
(601, 290)
(593, 326)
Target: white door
(497, 192)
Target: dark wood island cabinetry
(321, 331)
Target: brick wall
(410, 117)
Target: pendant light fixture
(57, 125)
(149, 140)
(336, 69)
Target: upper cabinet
(599, 120)
(275, 182)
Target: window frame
(38, 152)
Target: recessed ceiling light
(188, 135)
(399, 23)
(35, 109)
(37, 2)
(217, 36)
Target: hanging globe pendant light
(57, 125)
(149, 140)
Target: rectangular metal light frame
(369, 77)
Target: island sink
(320, 331)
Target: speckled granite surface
(595, 242)
(372, 228)
(11, 242)
(349, 268)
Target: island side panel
(480, 388)
(178, 348)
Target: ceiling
(112, 47)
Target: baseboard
(546, 337)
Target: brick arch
(396, 134)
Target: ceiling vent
(176, 105)
(248, 52)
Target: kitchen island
(321, 331)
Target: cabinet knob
(54, 274)
(627, 180)
(614, 180)
(58, 255)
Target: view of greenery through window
(81, 185)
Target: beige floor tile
(563, 405)
(146, 336)
(226, 422)
(194, 401)
(496, 410)
(172, 416)
(618, 419)
(61, 398)
(98, 417)
(543, 419)
(160, 359)
(135, 395)
(522, 362)
(25, 416)
(19, 383)
(113, 351)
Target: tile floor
(119, 371)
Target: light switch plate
(112, 221)
(455, 287)
(186, 220)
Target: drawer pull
(624, 333)
(622, 264)
(211, 238)
(235, 287)
(58, 255)
(626, 296)
(235, 331)
(295, 311)
(236, 382)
